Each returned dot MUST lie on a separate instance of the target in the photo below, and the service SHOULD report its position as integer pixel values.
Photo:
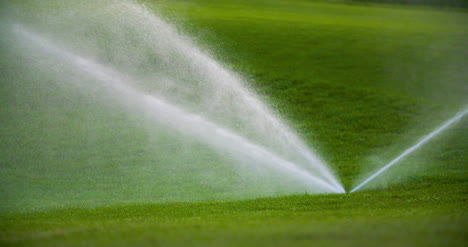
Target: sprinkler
(413, 148)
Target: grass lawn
(360, 83)
(413, 215)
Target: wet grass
(417, 214)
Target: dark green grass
(359, 83)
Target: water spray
(413, 148)
(169, 114)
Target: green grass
(417, 215)
(359, 83)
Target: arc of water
(216, 136)
(413, 148)
(213, 70)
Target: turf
(417, 215)
(360, 83)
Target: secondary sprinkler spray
(413, 148)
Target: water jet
(413, 148)
(147, 68)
